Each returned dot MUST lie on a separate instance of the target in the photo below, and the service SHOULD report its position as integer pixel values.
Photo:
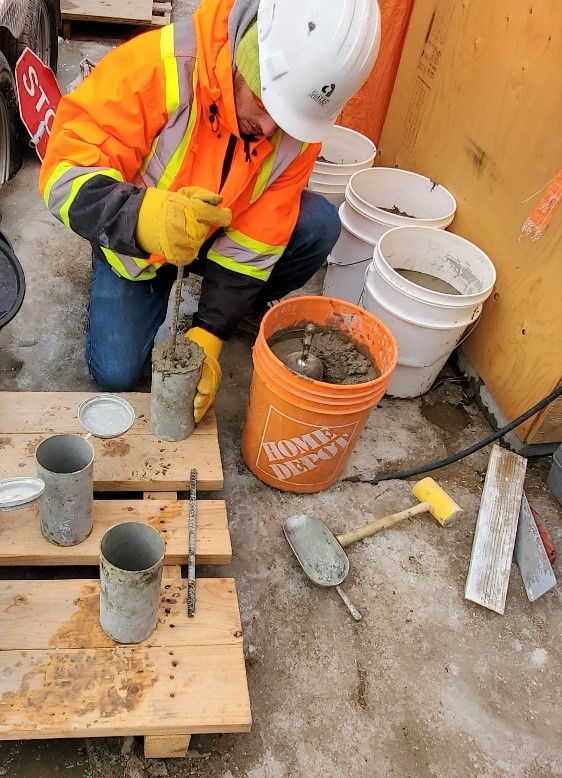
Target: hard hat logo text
(323, 97)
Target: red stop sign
(38, 97)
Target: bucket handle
(351, 264)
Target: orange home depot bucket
(299, 433)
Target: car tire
(10, 151)
(40, 32)
(8, 46)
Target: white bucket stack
(376, 200)
(427, 324)
(343, 153)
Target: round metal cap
(17, 492)
(106, 415)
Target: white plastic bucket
(350, 258)
(329, 179)
(343, 153)
(426, 203)
(363, 226)
(335, 194)
(346, 150)
(427, 324)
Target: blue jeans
(124, 316)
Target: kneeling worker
(192, 145)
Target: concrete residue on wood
(344, 362)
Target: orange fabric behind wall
(366, 111)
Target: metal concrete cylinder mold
(176, 370)
(131, 562)
(171, 404)
(66, 464)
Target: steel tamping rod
(176, 312)
(191, 542)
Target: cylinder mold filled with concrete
(175, 375)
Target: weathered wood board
(21, 541)
(124, 11)
(496, 528)
(40, 615)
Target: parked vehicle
(33, 23)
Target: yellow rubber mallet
(433, 499)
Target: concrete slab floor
(427, 684)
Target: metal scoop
(304, 362)
(319, 554)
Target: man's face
(252, 117)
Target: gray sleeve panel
(105, 212)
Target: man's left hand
(211, 373)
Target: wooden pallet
(61, 675)
(137, 461)
(142, 13)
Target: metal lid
(106, 415)
(16, 492)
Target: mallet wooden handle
(376, 526)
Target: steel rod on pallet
(191, 543)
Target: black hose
(465, 452)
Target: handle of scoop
(349, 605)
(309, 332)
(376, 526)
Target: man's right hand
(175, 224)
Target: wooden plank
(161, 13)
(496, 527)
(472, 81)
(21, 541)
(47, 413)
(129, 463)
(124, 11)
(116, 692)
(65, 614)
(166, 746)
(531, 557)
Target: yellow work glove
(175, 224)
(210, 375)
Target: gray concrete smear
(427, 684)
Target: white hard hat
(314, 55)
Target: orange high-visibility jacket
(159, 111)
